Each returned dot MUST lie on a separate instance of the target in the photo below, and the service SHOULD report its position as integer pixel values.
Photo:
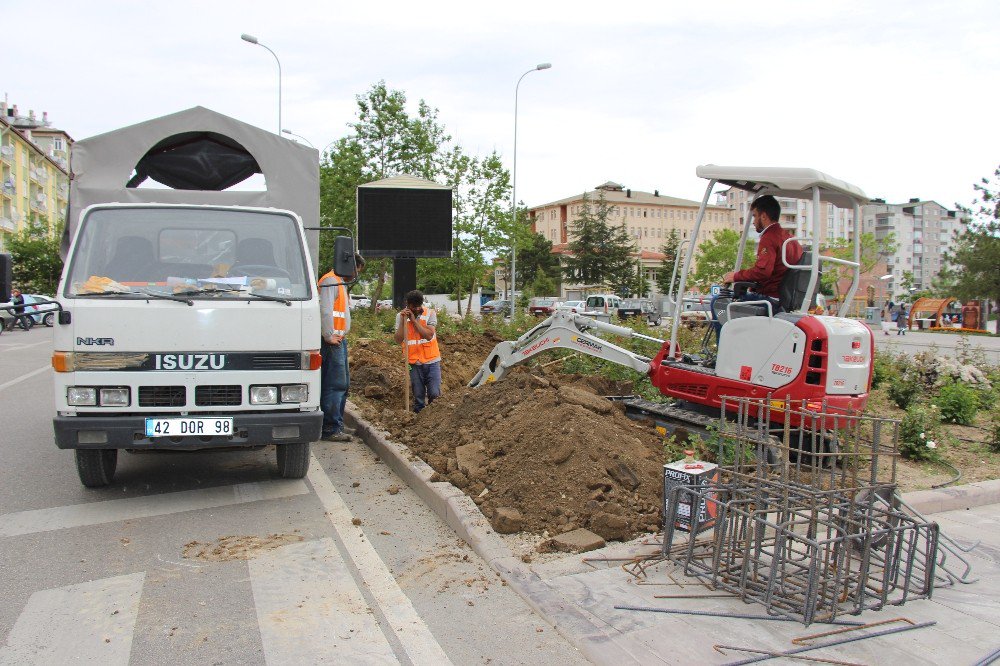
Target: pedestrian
(335, 377)
(901, 323)
(886, 323)
(17, 300)
(418, 326)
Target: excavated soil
(538, 451)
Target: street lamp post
(299, 136)
(253, 40)
(513, 190)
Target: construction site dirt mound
(538, 451)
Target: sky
(898, 97)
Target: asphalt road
(114, 576)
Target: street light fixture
(883, 279)
(253, 40)
(513, 190)
(299, 136)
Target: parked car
(495, 308)
(384, 304)
(602, 304)
(576, 307)
(45, 314)
(695, 313)
(360, 301)
(8, 318)
(542, 306)
(639, 307)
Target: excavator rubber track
(677, 416)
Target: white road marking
(6, 348)
(89, 623)
(310, 610)
(95, 513)
(20, 379)
(418, 641)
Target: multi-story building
(649, 218)
(34, 172)
(923, 230)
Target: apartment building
(924, 231)
(34, 172)
(648, 216)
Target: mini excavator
(781, 355)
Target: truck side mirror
(6, 277)
(343, 257)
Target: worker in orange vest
(335, 378)
(417, 325)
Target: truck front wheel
(96, 467)
(293, 460)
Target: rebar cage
(805, 522)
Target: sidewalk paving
(579, 600)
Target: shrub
(903, 388)
(958, 402)
(919, 432)
(994, 440)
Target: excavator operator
(769, 269)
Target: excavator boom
(563, 330)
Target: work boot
(337, 437)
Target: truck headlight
(114, 397)
(263, 395)
(294, 393)
(81, 396)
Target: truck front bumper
(129, 432)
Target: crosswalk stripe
(310, 610)
(18, 380)
(87, 623)
(406, 624)
(109, 511)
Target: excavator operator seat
(794, 284)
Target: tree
(384, 141)
(906, 282)
(975, 257)
(600, 251)
(34, 252)
(537, 265)
(873, 250)
(481, 223)
(716, 257)
(669, 250)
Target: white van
(605, 304)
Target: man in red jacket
(769, 269)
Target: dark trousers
(425, 382)
(335, 378)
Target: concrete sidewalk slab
(580, 601)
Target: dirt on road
(539, 451)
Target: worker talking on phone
(417, 326)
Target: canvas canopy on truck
(198, 153)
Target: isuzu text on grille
(190, 361)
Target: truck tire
(293, 460)
(96, 467)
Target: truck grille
(162, 396)
(217, 396)
(289, 361)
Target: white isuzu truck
(189, 311)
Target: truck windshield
(198, 252)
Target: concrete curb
(599, 642)
(955, 497)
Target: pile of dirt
(537, 451)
